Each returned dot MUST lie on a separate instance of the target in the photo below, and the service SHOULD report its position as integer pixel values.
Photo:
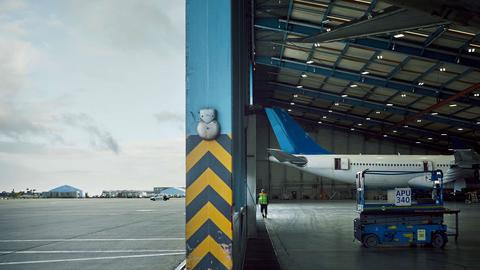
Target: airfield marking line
(93, 258)
(91, 239)
(86, 251)
(182, 265)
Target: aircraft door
(341, 164)
(427, 166)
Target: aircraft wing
(286, 157)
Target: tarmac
(92, 234)
(319, 235)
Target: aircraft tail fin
(291, 137)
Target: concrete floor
(319, 235)
(91, 234)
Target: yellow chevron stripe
(208, 211)
(222, 254)
(209, 178)
(209, 146)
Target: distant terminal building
(170, 191)
(64, 191)
(125, 194)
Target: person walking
(263, 201)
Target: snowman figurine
(208, 128)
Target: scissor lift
(411, 221)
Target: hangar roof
(65, 188)
(412, 85)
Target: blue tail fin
(291, 137)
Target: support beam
(359, 78)
(434, 35)
(441, 104)
(404, 47)
(357, 102)
(392, 19)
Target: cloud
(16, 60)
(16, 125)
(133, 25)
(99, 138)
(21, 148)
(168, 118)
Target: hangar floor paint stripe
(93, 258)
(91, 239)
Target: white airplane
(300, 151)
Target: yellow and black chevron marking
(209, 230)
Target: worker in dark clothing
(263, 201)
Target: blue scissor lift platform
(406, 220)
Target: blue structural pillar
(214, 103)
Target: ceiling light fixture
(404, 95)
(365, 72)
(289, 110)
(400, 35)
(434, 113)
(443, 69)
(421, 83)
(295, 96)
(459, 129)
(292, 103)
(368, 118)
(453, 105)
(379, 57)
(344, 95)
(444, 134)
(304, 75)
(336, 104)
(310, 62)
(389, 104)
(299, 86)
(353, 85)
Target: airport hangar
(369, 77)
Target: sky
(92, 94)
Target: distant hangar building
(64, 191)
(170, 191)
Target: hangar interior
(408, 90)
(404, 91)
